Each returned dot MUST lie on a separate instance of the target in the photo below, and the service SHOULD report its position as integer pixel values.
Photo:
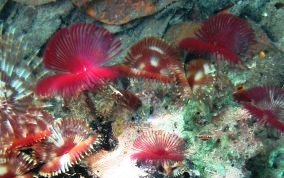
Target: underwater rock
(253, 9)
(155, 25)
(149, 27)
(268, 162)
(2, 3)
(228, 138)
(205, 8)
(276, 158)
(180, 31)
(262, 71)
(37, 25)
(117, 12)
(34, 2)
(272, 21)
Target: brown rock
(34, 2)
(180, 31)
(117, 12)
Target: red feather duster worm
(19, 132)
(26, 129)
(71, 140)
(78, 53)
(17, 165)
(159, 147)
(264, 103)
(153, 58)
(223, 35)
(199, 73)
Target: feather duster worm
(117, 163)
(22, 125)
(152, 58)
(16, 78)
(159, 147)
(223, 35)
(30, 139)
(128, 100)
(71, 140)
(199, 73)
(264, 103)
(14, 162)
(16, 165)
(78, 53)
(26, 129)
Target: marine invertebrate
(22, 124)
(117, 162)
(128, 100)
(159, 147)
(223, 35)
(30, 139)
(71, 140)
(153, 58)
(16, 165)
(78, 53)
(25, 129)
(16, 78)
(199, 73)
(264, 103)
(18, 133)
(20, 121)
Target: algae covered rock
(34, 2)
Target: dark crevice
(7, 10)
